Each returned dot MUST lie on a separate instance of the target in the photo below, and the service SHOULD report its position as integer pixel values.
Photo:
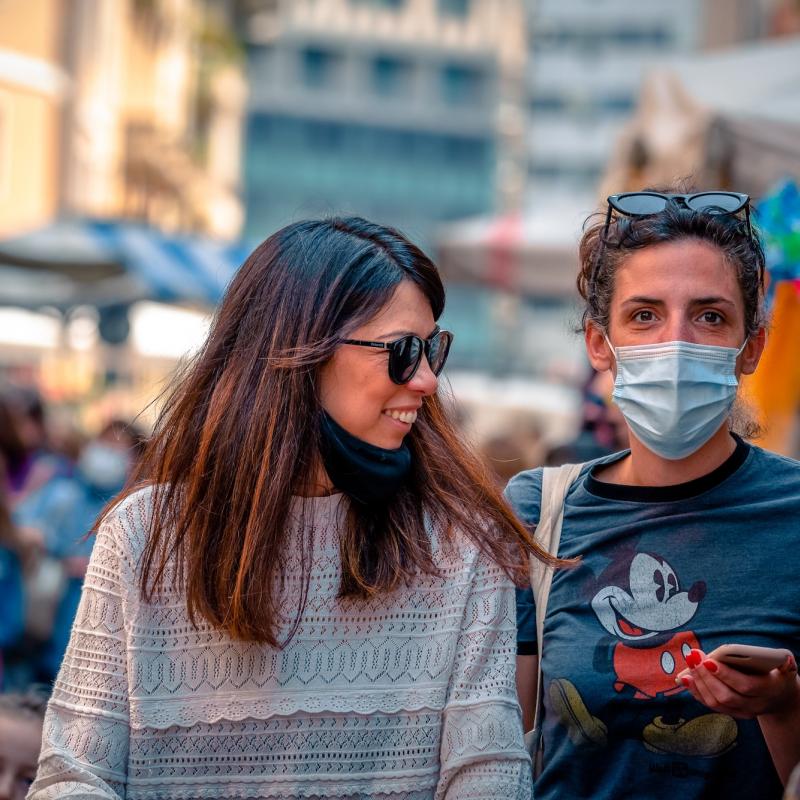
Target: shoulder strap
(555, 485)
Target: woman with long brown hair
(311, 593)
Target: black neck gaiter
(364, 472)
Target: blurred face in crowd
(676, 291)
(106, 460)
(355, 386)
(20, 740)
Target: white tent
(532, 254)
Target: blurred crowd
(54, 483)
(52, 488)
(601, 431)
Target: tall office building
(586, 63)
(405, 111)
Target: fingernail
(686, 682)
(694, 658)
(711, 666)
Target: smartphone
(749, 658)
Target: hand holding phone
(750, 659)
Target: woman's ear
(751, 354)
(597, 348)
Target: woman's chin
(392, 433)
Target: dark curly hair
(600, 255)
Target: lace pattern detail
(408, 696)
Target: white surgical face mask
(675, 395)
(104, 467)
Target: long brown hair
(239, 436)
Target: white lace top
(404, 697)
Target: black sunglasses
(642, 204)
(405, 353)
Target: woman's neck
(318, 485)
(643, 467)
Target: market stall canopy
(725, 119)
(534, 254)
(84, 261)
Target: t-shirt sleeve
(524, 493)
(526, 623)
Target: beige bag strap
(555, 485)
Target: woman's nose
(424, 380)
(678, 329)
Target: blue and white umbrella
(109, 261)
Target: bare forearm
(527, 673)
(782, 734)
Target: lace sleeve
(85, 742)
(482, 752)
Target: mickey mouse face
(654, 604)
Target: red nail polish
(694, 658)
(686, 682)
(711, 666)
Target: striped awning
(118, 261)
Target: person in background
(687, 540)
(29, 462)
(12, 602)
(16, 554)
(603, 430)
(21, 717)
(61, 515)
(504, 457)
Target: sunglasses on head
(637, 204)
(643, 204)
(405, 353)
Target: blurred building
(113, 113)
(405, 111)
(106, 109)
(33, 88)
(587, 60)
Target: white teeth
(409, 417)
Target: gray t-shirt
(663, 569)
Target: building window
(652, 37)
(319, 67)
(548, 103)
(461, 84)
(593, 40)
(390, 76)
(616, 104)
(573, 174)
(395, 4)
(454, 8)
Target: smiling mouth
(409, 417)
(626, 627)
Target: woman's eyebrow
(398, 334)
(640, 300)
(712, 301)
(696, 301)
